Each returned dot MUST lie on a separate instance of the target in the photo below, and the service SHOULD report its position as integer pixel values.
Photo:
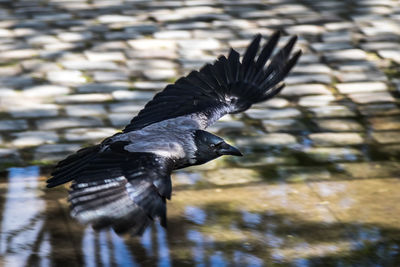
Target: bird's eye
(215, 145)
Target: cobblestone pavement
(74, 72)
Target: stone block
(334, 154)
(387, 137)
(385, 123)
(336, 139)
(306, 89)
(123, 95)
(339, 125)
(34, 138)
(60, 123)
(361, 87)
(85, 110)
(47, 90)
(374, 97)
(88, 134)
(332, 111)
(83, 98)
(13, 125)
(33, 110)
(316, 101)
(273, 113)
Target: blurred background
(319, 183)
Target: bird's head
(209, 147)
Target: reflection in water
(198, 250)
(195, 214)
(244, 259)
(89, 248)
(163, 250)
(217, 259)
(36, 231)
(147, 242)
(121, 252)
(21, 223)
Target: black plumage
(124, 181)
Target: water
(263, 224)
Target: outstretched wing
(119, 189)
(227, 86)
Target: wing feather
(118, 189)
(227, 86)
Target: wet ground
(318, 223)
(319, 182)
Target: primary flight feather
(124, 181)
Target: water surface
(322, 223)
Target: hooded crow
(124, 181)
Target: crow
(124, 181)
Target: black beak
(225, 149)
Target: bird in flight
(124, 181)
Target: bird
(124, 182)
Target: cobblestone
(385, 123)
(105, 56)
(336, 139)
(315, 101)
(89, 65)
(132, 95)
(372, 98)
(120, 119)
(34, 138)
(88, 134)
(93, 65)
(370, 169)
(386, 137)
(85, 110)
(103, 87)
(332, 111)
(83, 98)
(45, 91)
(149, 85)
(273, 113)
(306, 89)
(287, 125)
(379, 109)
(60, 123)
(159, 74)
(339, 125)
(334, 154)
(301, 174)
(348, 88)
(126, 107)
(33, 110)
(9, 155)
(13, 125)
(54, 152)
(272, 139)
(66, 77)
(110, 76)
(345, 55)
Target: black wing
(118, 189)
(227, 86)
